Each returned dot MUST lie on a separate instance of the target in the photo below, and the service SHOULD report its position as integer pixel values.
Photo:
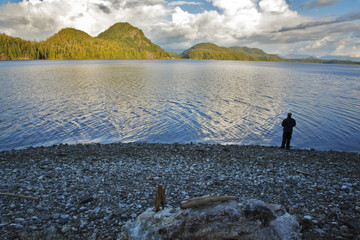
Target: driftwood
(159, 198)
(19, 196)
(204, 200)
(305, 173)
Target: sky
(286, 27)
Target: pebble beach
(90, 191)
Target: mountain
(209, 51)
(132, 37)
(346, 58)
(119, 41)
(123, 40)
(214, 52)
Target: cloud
(103, 8)
(35, 19)
(178, 3)
(319, 3)
(267, 24)
(345, 18)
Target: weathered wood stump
(159, 198)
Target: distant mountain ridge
(124, 41)
(119, 41)
(211, 51)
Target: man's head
(289, 115)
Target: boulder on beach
(250, 219)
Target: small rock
(344, 228)
(16, 225)
(353, 225)
(30, 211)
(64, 216)
(65, 229)
(83, 223)
(33, 227)
(19, 220)
(55, 215)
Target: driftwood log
(19, 196)
(204, 200)
(159, 198)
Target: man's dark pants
(286, 139)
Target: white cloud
(267, 24)
(178, 3)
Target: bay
(178, 101)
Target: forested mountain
(209, 51)
(212, 51)
(120, 41)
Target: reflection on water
(83, 101)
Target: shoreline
(91, 190)
(80, 145)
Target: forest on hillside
(70, 43)
(123, 41)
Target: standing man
(288, 125)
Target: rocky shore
(90, 191)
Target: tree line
(74, 44)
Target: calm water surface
(168, 101)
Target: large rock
(251, 219)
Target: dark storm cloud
(345, 18)
(73, 18)
(319, 3)
(103, 8)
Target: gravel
(90, 191)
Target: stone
(65, 229)
(251, 219)
(51, 231)
(64, 216)
(30, 211)
(33, 228)
(353, 225)
(16, 225)
(19, 220)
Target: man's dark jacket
(288, 124)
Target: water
(168, 101)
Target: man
(288, 125)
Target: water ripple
(52, 102)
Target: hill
(214, 52)
(124, 41)
(209, 51)
(132, 37)
(119, 41)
